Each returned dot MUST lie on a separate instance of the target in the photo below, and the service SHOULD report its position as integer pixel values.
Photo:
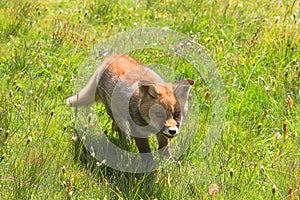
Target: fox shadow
(123, 182)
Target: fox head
(164, 105)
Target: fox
(139, 101)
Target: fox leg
(144, 148)
(122, 131)
(164, 146)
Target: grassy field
(256, 46)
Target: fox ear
(182, 89)
(148, 88)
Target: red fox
(136, 95)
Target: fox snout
(170, 132)
(171, 128)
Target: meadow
(254, 44)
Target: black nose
(172, 132)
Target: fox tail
(87, 95)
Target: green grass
(254, 44)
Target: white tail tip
(69, 101)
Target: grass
(255, 46)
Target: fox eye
(159, 114)
(176, 114)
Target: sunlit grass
(254, 44)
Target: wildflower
(290, 192)
(92, 152)
(231, 172)
(74, 137)
(265, 113)
(101, 163)
(259, 126)
(105, 53)
(130, 9)
(29, 139)
(89, 117)
(274, 188)
(277, 135)
(213, 189)
(289, 101)
(285, 129)
(7, 133)
(267, 88)
(207, 96)
(70, 188)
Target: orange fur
(150, 99)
